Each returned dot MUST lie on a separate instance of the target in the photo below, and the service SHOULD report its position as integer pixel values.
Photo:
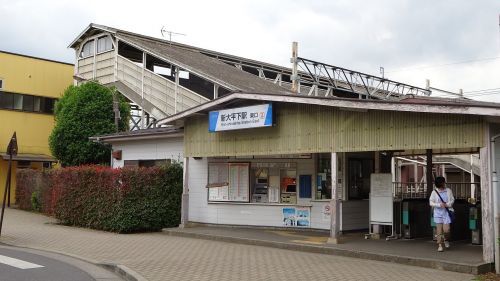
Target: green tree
(82, 112)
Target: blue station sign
(241, 118)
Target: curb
(427, 263)
(119, 269)
(123, 271)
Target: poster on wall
(289, 216)
(302, 215)
(218, 193)
(218, 174)
(296, 216)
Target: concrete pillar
(334, 204)
(185, 194)
(486, 198)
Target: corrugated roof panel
(315, 129)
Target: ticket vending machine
(475, 224)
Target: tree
(82, 112)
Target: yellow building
(29, 87)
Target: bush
(36, 204)
(119, 200)
(85, 111)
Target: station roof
(409, 104)
(153, 133)
(192, 59)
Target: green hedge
(119, 200)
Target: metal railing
(418, 190)
(330, 76)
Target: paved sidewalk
(157, 256)
(461, 257)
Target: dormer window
(104, 44)
(88, 49)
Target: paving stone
(160, 257)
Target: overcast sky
(412, 40)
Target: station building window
(256, 182)
(324, 177)
(104, 44)
(87, 50)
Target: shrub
(119, 200)
(26, 182)
(36, 205)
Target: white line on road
(18, 263)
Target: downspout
(496, 216)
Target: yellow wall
(3, 177)
(32, 130)
(32, 76)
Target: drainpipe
(496, 216)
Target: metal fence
(418, 190)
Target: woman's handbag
(451, 212)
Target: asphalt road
(20, 264)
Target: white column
(94, 66)
(176, 87)
(216, 91)
(486, 199)
(472, 180)
(415, 172)
(115, 42)
(143, 116)
(185, 194)
(334, 204)
(494, 201)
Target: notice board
(381, 201)
(229, 182)
(239, 182)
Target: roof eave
(75, 42)
(356, 105)
(121, 138)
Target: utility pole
(116, 110)
(295, 72)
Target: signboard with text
(241, 118)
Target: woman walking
(442, 202)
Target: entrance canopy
(316, 125)
(29, 157)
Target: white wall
(149, 149)
(255, 214)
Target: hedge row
(119, 200)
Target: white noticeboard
(381, 201)
(239, 188)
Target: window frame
(46, 104)
(92, 49)
(105, 37)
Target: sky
(453, 43)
